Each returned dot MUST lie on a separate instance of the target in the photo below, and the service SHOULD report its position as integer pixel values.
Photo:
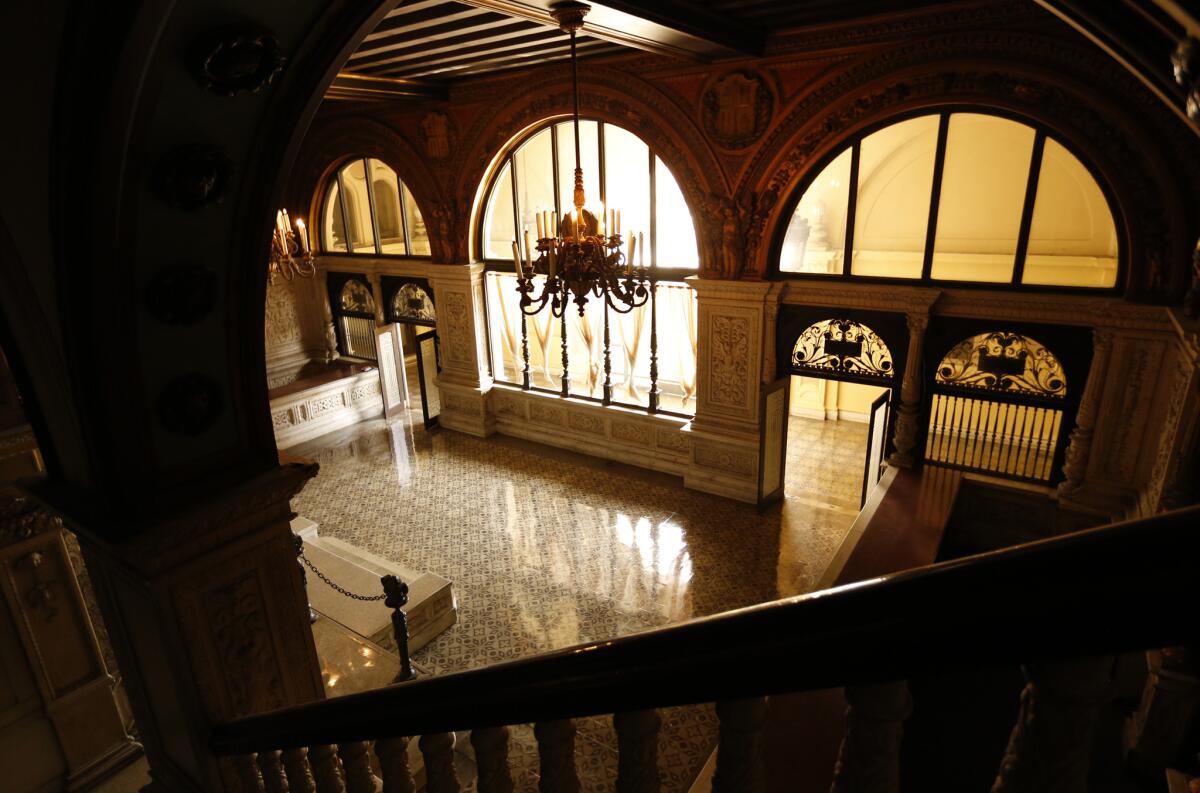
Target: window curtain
(683, 301)
(586, 327)
(631, 325)
(507, 337)
(543, 326)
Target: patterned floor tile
(546, 549)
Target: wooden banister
(1126, 586)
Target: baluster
(637, 751)
(491, 759)
(272, 772)
(438, 750)
(869, 758)
(359, 778)
(396, 592)
(556, 756)
(247, 773)
(739, 747)
(607, 359)
(299, 775)
(525, 375)
(653, 346)
(327, 771)
(566, 372)
(393, 762)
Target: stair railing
(1104, 590)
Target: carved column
(464, 381)
(491, 759)
(1079, 450)
(869, 759)
(908, 416)
(39, 589)
(556, 756)
(637, 751)
(209, 620)
(1172, 478)
(733, 321)
(1051, 744)
(331, 349)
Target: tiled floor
(547, 549)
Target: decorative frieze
(672, 440)
(547, 414)
(326, 407)
(724, 459)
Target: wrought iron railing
(1097, 591)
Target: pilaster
(1179, 442)
(726, 434)
(465, 380)
(1080, 446)
(208, 618)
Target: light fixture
(582, 257)
(291, 255)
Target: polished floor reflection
(549, 548)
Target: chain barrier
(335, 587)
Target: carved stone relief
(548, 414)
(633, 433)
(241, 640)
(729, 361)
(723, 459)
(456, 329)
(737, 108)
(675, 441)
(586, 422)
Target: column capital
(917, 321)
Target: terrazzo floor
(548, 548)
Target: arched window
(998, 406)
(368, 210)
(621, 172)
(353, 309)
(955, 197)
(645, 358)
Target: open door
(773, 442)
(427, 370)
(392, 381)
(877, 433)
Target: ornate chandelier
(291, 255)
(581, 257)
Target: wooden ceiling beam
(348, 85)
(666, 27)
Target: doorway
(839, 403)
(410, 309)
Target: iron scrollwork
(842, 347)
(413, 303)
(1007, 362)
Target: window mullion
(408, 251)
(602, 181)
(939, 165)
(653, 210)
(1035, 169)
(370, 179)
(851, 209)
(342, 208)
(554, 173)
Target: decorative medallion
(842, 347)
(193, 176)
(182, 294)
(413, 303)
(1002, 361)
(737, 109)
(189, 404)
(436, 128)
(229, 62)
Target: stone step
(431, 607)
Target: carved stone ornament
(436, 128)
(1185, 61)
(193, 176)
(22, 518)
(230, 61)
(189, 404)
(182, 294)
(737, 109)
